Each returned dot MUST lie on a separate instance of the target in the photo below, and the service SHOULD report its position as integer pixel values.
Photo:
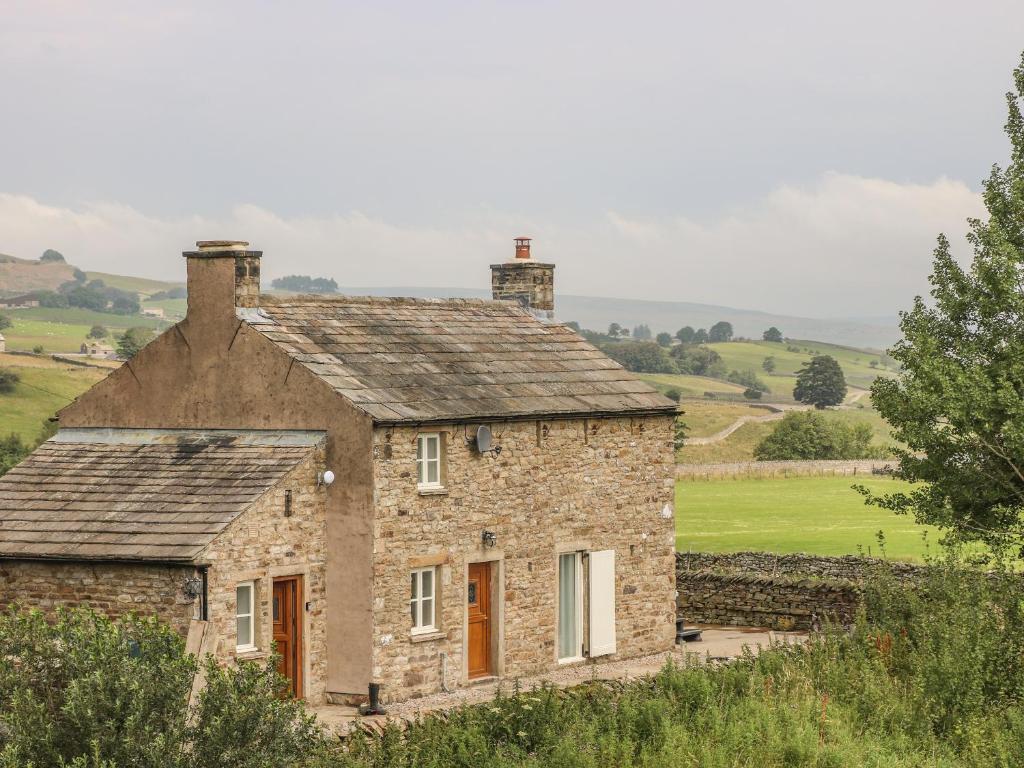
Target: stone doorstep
(718, 644)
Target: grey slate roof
(125, 494)
(422, 360)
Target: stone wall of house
(263, 544)
(115, 589)
(556, 486)
(761, 589)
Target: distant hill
(597, 313)
(18, 276)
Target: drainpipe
(444, 671)
(204, 606)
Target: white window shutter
(602, 602)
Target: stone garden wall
(783, 469)
(761, 589)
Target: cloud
(843, 246)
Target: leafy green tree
(679, 434)
(642, 332)
(615, 330)
(752, 394)
(51, 255)
(306, 284)
(700, 336)
(664, 339)
(698, 360)
(5, 322)
(810, 436)
(686, 334)
(720, 331)
(12, 450)
(772, 334)
(673, 394)
(768, 364)
(820, 382)
(133, 340)
(98, 332)
(641, 356)
(957, 405)
(573, 325)
(8, 381)
(38, 349)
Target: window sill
(426, 637)
(431, 490)
(572, 660)
(250, 654)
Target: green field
(45, 387)
(64, 330)
(691, 386)
(818, 515)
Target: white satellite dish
(483, 438)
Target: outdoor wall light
(193, 587)
(489, 538)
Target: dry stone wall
(782, 469)
(569, 485)
(761, 589)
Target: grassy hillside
(46, 386)
(64, 330)
(140, 285)
(18, 276)
(691, 386)
(791, 355)
(819, 515)
(704, 418)
(739, 446)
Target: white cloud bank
(844, 246)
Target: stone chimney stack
(222, 276)
(529, 282)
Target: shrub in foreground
(88, 692)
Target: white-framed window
(570, 606)
(245, 612)
(422, 600)
(428, 460)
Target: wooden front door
(478, 599)
(287, 619)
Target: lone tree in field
(957, 405)
(720, 331)
(820, 382)
(772, 334)
(133, 340)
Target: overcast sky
(795, 157)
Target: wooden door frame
(300, 620)
(496, 559)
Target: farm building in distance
(416, 493)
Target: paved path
(717, 644)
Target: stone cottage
(418, 493)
